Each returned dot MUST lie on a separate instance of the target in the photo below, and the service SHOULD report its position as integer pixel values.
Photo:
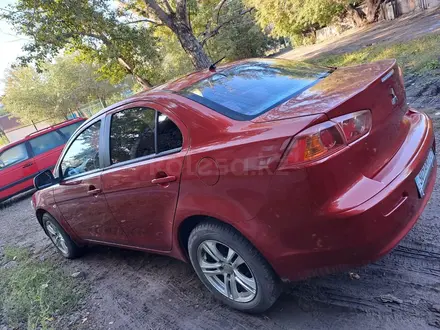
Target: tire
(68, 248)
(257, 287)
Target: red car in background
(256, 172)
(22, 160)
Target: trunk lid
(377, 87)
(329, 95)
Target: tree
(241, 38)
(176, 16)
(373, 7)
(89, 26)
(296, 17)
(55, 92)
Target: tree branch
(211, 33)
(160, 13)
(182, 11)
(167, 4)
(219, 8)
(145, 20)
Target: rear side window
(70, 129)
(83, 154)
(168, 134)
(132, 134)
(140, 132)
(247, 90)
(13, 155)
(46, 142)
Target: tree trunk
(373, 7)
(103, 102)
(142, 81)
(356, 17)
(179, 23)
(191, 45)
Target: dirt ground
(133, 290)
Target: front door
(79, 195)
(142, 182)
(17, 170)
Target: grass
(34, 293)
(416, 56)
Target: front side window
(46, 142)
(13, 155)
(132, 134)
(83, 154)
(70, 129)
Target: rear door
(17, 170)
(47, 148)
(142, 181)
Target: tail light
(322, 140)
(354, 125)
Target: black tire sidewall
(268, 286)
(73, 249)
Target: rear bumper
(366, 232)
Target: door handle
(166, 179)
(28, 165)
(94, 191)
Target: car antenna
(213, 65)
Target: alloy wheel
(226, 271)
(57, 238)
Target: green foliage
(418, 55)
(32, 293)
(56, 91)
(91, 27)
(241, 38)
(296, 17)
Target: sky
(10, 45)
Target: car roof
(42, 131)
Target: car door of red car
(17, 170)
(46, 149)
(141, 182)
(79, 194)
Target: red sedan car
(256, 172)
(22, 160)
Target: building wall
(21, 132)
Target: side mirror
(44, 179)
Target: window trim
(64, 135)
(57, 170)
(29, 155)
(107, 164)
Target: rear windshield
(247, 90)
